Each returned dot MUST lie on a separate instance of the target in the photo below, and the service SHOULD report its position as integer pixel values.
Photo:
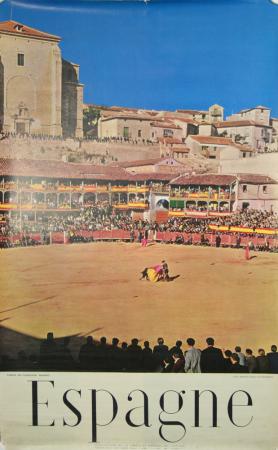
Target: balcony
(162, 189)
(202, 195)
(138, 189)
(131, 205)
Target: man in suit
(192, 358)
(212, 360)
(273, 359)
(160, 352)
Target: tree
(91, 116)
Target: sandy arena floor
(94, 289)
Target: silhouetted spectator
(48, 353)
(242, 358)
(134, 355)
(263, 365)
(227, 361)
(124, 356)
(192, 358)
(147, 357)
(251, 361)
(87, 354)
(236, 367)
(178, 363)
(177, 349)
(212, 360)
(273, 359)
(114, 356)
(160, 351)
(102, 355)
(65, 360)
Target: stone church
(40, 92)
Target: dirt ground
(94, 289)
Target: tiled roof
(125, 116)
(59, 169)
(162, 124)
(18, 29)
(209, 179)
(185, 120)
(192, 111)
(216, 140)
(239, 123)
(256, 107)
(151, 177)
(170, 140)
(255, 179)
(143, 162)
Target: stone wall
(74, 150)
(262, 163)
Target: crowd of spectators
(35, 136)
(120, 140)
(103, 217)
(132, 357)
(44, 137)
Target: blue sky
(166, 54)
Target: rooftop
(192, 111)
(239, 123)
(59, 169)
(18, 29)
(162, 124)
(144, 162)
(216, 140)
(251, 178)
(170, 140)
(209, 179)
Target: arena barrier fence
(227, 239)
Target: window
(265, 189)
(167, 133)
(20, 128)
(20, 59)
(244, 155)
(139, 133)
(126, 132)
(244, 188)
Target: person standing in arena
(165, 270)
(247, 252)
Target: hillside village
(43, 118)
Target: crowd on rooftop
(100, 355)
